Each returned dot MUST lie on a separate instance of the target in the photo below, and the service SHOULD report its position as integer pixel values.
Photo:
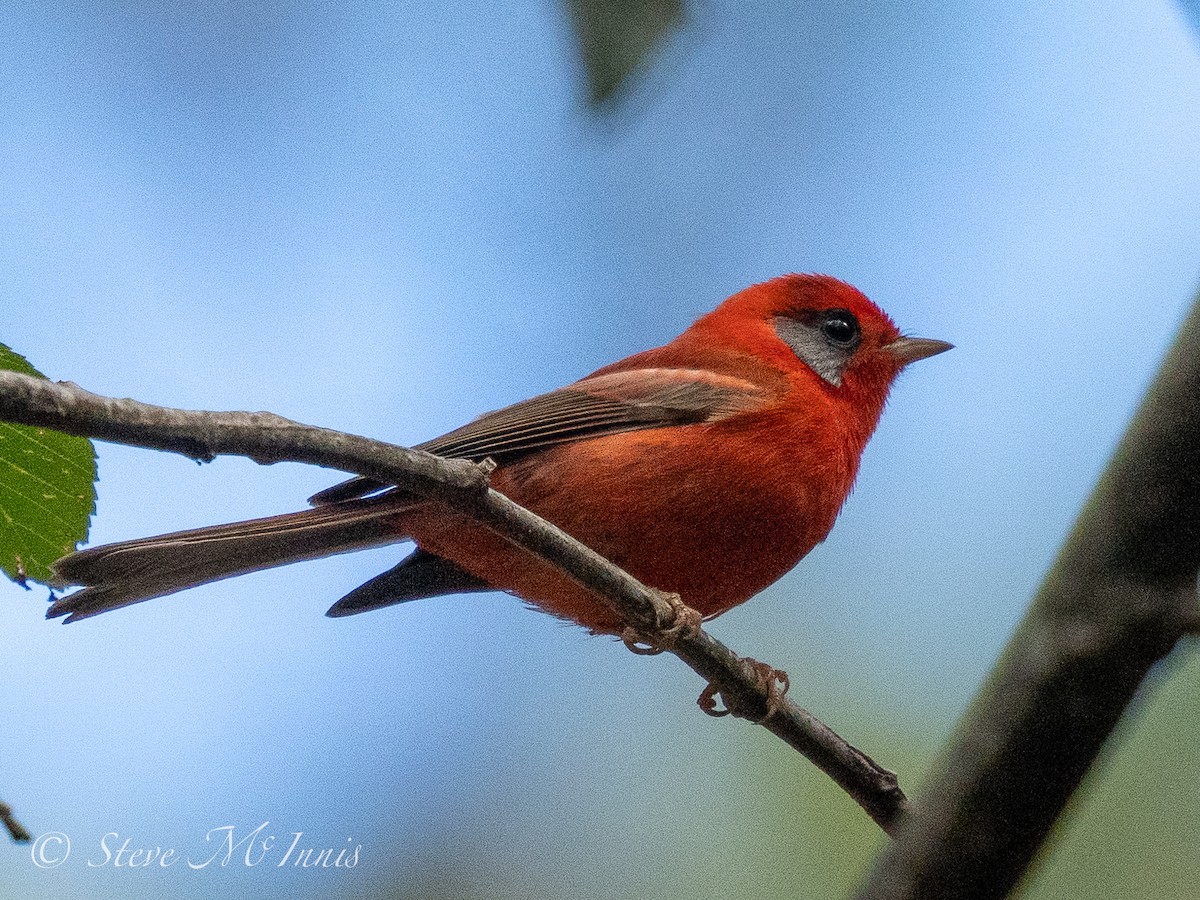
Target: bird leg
(685, 623)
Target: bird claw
(685, 623)
(635, 643)
(708, 702)
(769, 680)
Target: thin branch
(268, 438)
(1120, 595)
(14, 828)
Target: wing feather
(596, 406)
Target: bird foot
(772, 682)
(685, 624)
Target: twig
(873, 787)
(268, 438)
(15, 829)
(1119, 597)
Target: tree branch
(1120, 595)
(267, 438)
(14, 828)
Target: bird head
(821, 331)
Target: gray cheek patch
(811, 347)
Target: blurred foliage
(47, 491)
(1192, 9)
(617, 36)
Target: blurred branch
(1120, 595)
(617, 36)
(15, 829)
(267, 438)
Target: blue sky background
(390, 220)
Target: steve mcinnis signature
(223, 846)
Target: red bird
(707, 467)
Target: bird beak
(910, 349)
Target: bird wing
(599, 405)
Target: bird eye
(841, 329)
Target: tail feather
(116, 575)
(420, 574)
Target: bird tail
(116, 575)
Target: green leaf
(47, 491)
(616, 37)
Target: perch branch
(1120, 595)
(267, 438)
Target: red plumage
(707, 467)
